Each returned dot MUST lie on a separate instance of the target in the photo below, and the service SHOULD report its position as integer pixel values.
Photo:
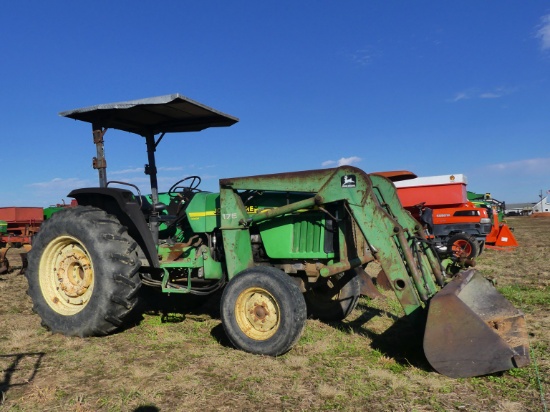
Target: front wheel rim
(257, 313)
(66, 275)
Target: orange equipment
(456, 225)
(501, 237)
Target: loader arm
(383, 227)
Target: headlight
(485, 220)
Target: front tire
(263, 311)
(83, 272)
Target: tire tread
(113, 253)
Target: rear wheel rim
(66, 275)
(257, 313)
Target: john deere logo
(349, 181)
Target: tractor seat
(147, 208)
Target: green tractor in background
(501, 236)
(486, 200)
(282, 246)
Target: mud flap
(472, 330)
(383, 281)
(367, 285)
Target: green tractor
(492, 205)
(282, 246)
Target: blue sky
(428, 86)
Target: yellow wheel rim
(257, 313)
(66, 275)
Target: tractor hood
(163, 114)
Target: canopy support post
(151, 170)
(99, 162)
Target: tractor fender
(122, 204)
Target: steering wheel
(178, 189)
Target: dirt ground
(180, 360)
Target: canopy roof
(163, 114)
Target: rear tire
(463, 245)
(333, 298)
(263, 311)
(83, 272)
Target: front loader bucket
(473, 330)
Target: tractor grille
(306, 236)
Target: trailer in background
(18, 226)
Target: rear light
(485, 220)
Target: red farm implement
(456, 226)
(459, 227)
(19, 225)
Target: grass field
(182, 361)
